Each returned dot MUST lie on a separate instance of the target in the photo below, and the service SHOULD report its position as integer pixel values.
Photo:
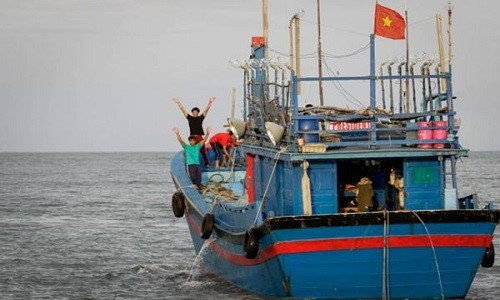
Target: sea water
(100, 226)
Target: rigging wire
(341, 88)
(325, 54)
(355, 52)
(421, 21)
(335, 28)
(288, 55)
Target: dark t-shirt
(195, 125)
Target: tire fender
(489, 257)
(207, 226)
(251, 243)
(178, 205)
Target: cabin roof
(351, 153)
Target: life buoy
(207, 225)
(178, 205)
(489, 257)
(251, 243)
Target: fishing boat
(328, 202)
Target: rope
(433, 252)
(276, 157)
(231, 174)
(216, 190)
(388, 280)
(385, 258)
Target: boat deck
(225, 186)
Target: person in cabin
(192, 154)
(220, 142)
(195, 120)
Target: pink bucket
(424, 134)
(440, 133)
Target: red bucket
(424, 134)
(440, 133)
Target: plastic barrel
(439, 134)
(424, 134)
(309, 125)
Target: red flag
(389, 23)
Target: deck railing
(269, 97)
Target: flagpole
(407, 94)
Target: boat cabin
(398, 153)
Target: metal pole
(297, 51)
(245, 95)
(381, 73)
(295, 110)
(412, 73)
(407, 95)
(400, 70)
(391, 95)
(373, 104)
(265, 26)
(233, 102)
(450, 55)
(451, 121)
(439, 24)
(290, 27)
(320, 69)
(429, 88)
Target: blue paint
(423, 185)
(323, 178)
(309, 125)
(349, 274)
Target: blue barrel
(309, 125)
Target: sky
(100, 75)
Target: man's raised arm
(176, 131)
(210, 102)
(182, 108)
(205, 138)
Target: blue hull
(343, 256)
(353, 273)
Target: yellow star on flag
(387, 21)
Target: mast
(265, 26)
(450, 55)
(441, 50)
(407, 94)
(297, 50)
(320, 70)
(290, 27)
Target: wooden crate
(318, 148)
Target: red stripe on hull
(337, 244)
